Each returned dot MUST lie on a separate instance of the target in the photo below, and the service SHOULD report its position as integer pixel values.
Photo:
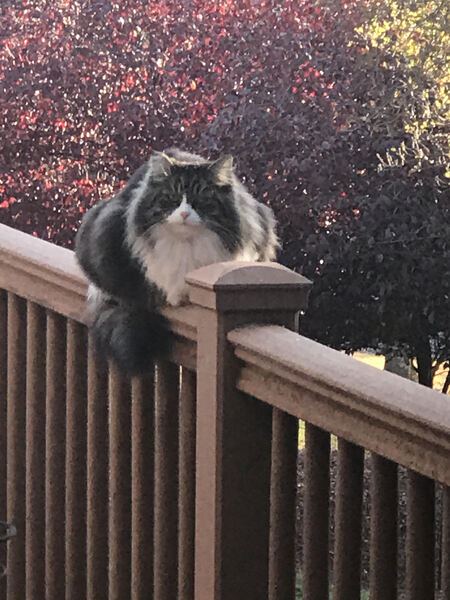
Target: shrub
(89, 88)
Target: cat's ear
(223, 170)
(160, 164)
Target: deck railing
(182, 484)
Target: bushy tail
(131, 337)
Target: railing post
(233, 430)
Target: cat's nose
(185, 214)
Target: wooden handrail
(50, 276)
(42, 272)
(392, 416)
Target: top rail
(42, 272)
(50, 276)
(387, 414)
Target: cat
(178, 212)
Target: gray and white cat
(178, 212)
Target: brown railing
(182, 484)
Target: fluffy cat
(178, 212)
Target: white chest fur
(176, 250)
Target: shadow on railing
(118, 488)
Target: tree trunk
(424, 362)
(446, 383)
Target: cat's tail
(131, 337)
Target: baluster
(35, 451)
(166, 481)
(316, 513)
(142, 468)
(3, 428)
(283, 487)
(445, 569)
(55, 434)
(97, 476)
(76, 461)
(383, 529)
(419, 537)
(186, 529)
(119, 486)
(16, 454)
(347, 551)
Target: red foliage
(88, 89)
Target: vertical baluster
(347, 552)
(283, 487)
(55, 433)
(97, 477)
(166, 481)
(419, 537)
(3, 417)
(142, 467)
(16, 394)
(35, 452)
(119, 486)
(445, 568)
(76, 418)
(186, 501)
(316, 513)
(383, 529)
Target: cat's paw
(177, 299)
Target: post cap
(243, 286)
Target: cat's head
(184, 192)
